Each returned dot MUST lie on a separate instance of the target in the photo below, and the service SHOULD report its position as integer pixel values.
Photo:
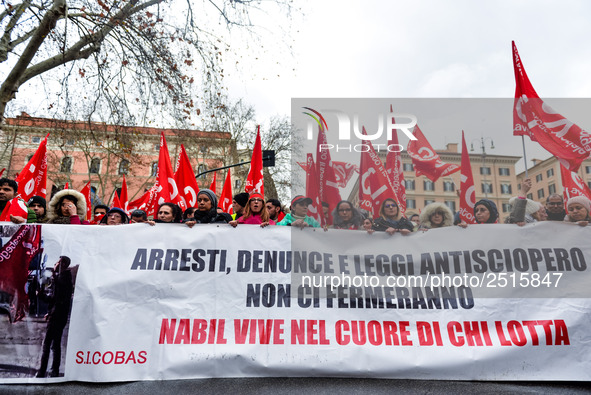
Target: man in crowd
(238, 204)
(100, 210)
(555, 208)
(8, 190)
(39, 206)
(274, 209)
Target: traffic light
(268, 158)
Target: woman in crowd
(390, 220)
(345, 216)
(67, 207)
(578, 209)
(206, 213)
(168, 213)
(435, 215)
(255, 212)
(189, 214)
(485, 212)
(115, 216)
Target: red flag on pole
(86, 192)
(395, 170)
(425, 160)
(467, 192)
(573, 185)
(212, 186)
(343, 171)
(123, 199)
(67, 186)
(32, 180)
(255, 180)
(167, 190)
(15, 257)
(315, 209)
(374, 184)
(226, 197)
(531, 116)
(185, 180)
(144, 202)
(328, 189)
(116, 202)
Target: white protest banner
(490, 302)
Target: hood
(52, 209)
(448, 217)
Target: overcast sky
(426, 49)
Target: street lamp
(483, 141)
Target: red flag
(32, 179)
(343, 171)
(395, 170)
(116, 202)
(167, 190)
(374, 184)
(15, 257)
(254, 181)
(144, 202)
(67, 186)
(2, 171)
(86, 192)
(16, 207)
(226, 197)
(315, 209)
(467, 192)
(328, 188)
(123, 199)
(212, 186)
(573, 185)
(425, 159)
(531, 116)
(185, 180)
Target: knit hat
(492, 209)
(38, 200)
(214, 199)
(582, 200)
(241, 198)
(531, 207)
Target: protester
(522, 208)
(345, 216)
(189, 214)
(485, 212)
(100, 210)
(555, 207)
(390, 220)
(115, 216)
(368, 225)
(60, 303)
(39, 206)
(578, 209)
(255, 212)
(169, 213)
(435, 215)
(140, 217)
(414, 217)
(68, 206)
(299, 214)
(8, 191)
(238, 203)
(206, 212)
(326, 212)
(274, 209)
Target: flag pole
(524, 157)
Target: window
(530, 196)
(551, 189)
(200, 169)
(451, 205)
(589, 184)
(154, 169)
(156, 147)
(95, 166)
(428, 185)
(504, 171)
(549, 173)
(407, 167)
(506, 188)
(36, 140)
(70, 141)
(411, 203)
(29, 157)
(237, 184)
(124, 167)
(428, 201)
(539, 178)
(487, 187)
(540, 193)
(506, 207)
(519, 187)
(587, 169)
(409, 185)
(66, 165)
(485, 171)
(448, 186)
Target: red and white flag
(395, 170)
(145, 202)
(531, 116)
(185, 180)
(255, 180)
(214, 181)
(315, 209)
(343, 171)
(15, 207)
(328, 187)
(425, 160)
(86, 192)
(32, 180)
(166, 190)
(573, 185)
(374, 184)
(116, 203)
(226, 197)
(467, 192)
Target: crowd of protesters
(69, 207)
